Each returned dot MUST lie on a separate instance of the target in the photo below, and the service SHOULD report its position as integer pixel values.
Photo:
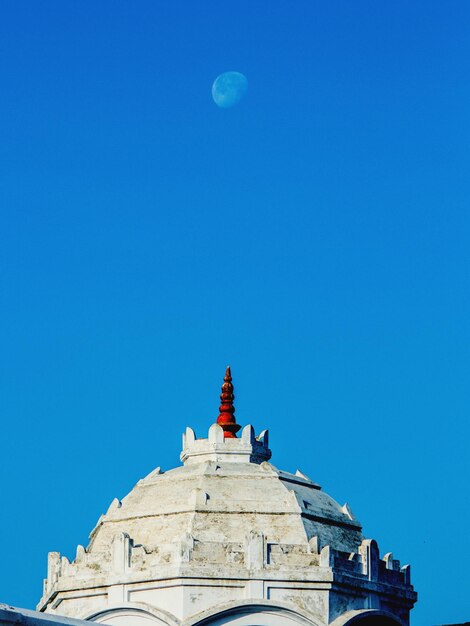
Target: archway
(253, 614)
(368, 617)
(134, 614)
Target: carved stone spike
(216, 434)
(121, 553)
(406, 571)
(189, 437)
(115, 504)
(248, 435)
(314, 545)
(369, 551)
(53, 567)
(302, 475)
(347, 510)
(263, 437)
(152, 475)
(326, 557)
(80, 553)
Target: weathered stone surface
(226, 529)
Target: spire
(226, 418)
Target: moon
(229, 88)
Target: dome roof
(225, 488)
(224, 528)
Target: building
(228, 538)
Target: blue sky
(315, 237)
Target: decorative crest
(226, 418)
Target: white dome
(226, 531)
(226, 488)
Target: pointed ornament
(226, 418)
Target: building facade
(228, 538)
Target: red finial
(226, 408)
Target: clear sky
(315, 237)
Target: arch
(367, 617)
(142, 614)
(252, 613)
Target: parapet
(127, 561)
(247, 449)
